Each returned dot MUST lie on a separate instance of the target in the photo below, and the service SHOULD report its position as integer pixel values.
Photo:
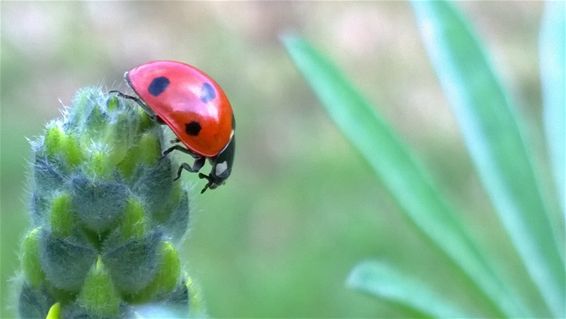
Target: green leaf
(61, 217)
(134, 225)
(197, 306)
(72, 151)
(150, 149)
(166, 278)
(552, 68)
(98, 294)
(385, 282)
(54, 312)
(31, 264)
(99, 165)
(53, 139)
(400, 173)
(494, 135)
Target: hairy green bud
(106, 217)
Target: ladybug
(195, 108)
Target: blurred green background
(302, 207)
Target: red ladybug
(196, 109)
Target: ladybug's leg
(208, 178)
(177, 148)
(197, 165)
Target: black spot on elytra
(192, 128)
(158, 85)
(207, 93)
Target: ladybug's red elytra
(195, 108)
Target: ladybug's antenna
(140, 103)
(126, 96)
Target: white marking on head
(220, 168)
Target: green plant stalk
(384, 281)
(107, 217)
(552, 47)
(401, 173)
(495, 136)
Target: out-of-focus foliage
(301, 208)
(552, 53)
(496, 138)
(386, 283)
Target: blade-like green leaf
(552, 68)
(494, 136)
(400, 172)
(385, 282)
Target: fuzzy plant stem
(107, 218)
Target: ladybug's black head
(221, 167)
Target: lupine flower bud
(106, 217)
